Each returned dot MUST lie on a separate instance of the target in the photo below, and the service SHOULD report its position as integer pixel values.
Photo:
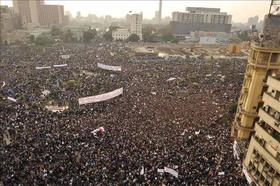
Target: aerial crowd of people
(173, 115)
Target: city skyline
(100, 8)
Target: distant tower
(159, 11)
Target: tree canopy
(43, 40)
(133, 38)
(89, 35)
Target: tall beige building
(262, 162)
(52, 15)
(36, 13)
(28, 10)
(258, 113)
(135, 24)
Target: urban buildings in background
(121, 34)
(159, 12)
(200, 19)
(135, 25)
(9, 20)
(38, 14)
(258, 111)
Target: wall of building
(51, 15)
(135, 24)
(262, 160)
(120, 34)
(179, 28)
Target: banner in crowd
(61, 65)
(65, 56)
(4, 83)
(171, 171)
(101, 97)
(108, 67)
(41, 68)
(12, 99)
(236, 150)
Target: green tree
(166, 34)
(133, 38)
(108, 34)
(68, 36)
(43, 40)
(55, 31)
(89, 35)
(149, 36)
(31, 38)
(244, 36)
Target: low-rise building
(121, 34)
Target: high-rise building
(8, 19)
(258, 111)
(200, 19)
(52, 15)
(35, 13)
(135, 23)
(159, 11)
(28, 10)
(262, 162)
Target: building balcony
(271, 101)
(270, 120)
(261, 132)
(262, 64)
(265, 154)
(273, 83)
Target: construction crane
(274, 8)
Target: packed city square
(170, 125)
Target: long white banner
(65, 56)
(101, 97)
(108, 67)
(4, 83)
(61, 65)
(41, 68)
(171, 171)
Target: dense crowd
(173, 114)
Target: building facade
(262, 162)
(35, 13)
(135, 24)
(120, 34)
(200, 19)
(52, 15)
(258, 110)
(261, 60)
(9, 22)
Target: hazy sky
(240, 10)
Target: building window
(274, 58)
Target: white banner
(61, 65)
(248, 178)
(101, 97)
(236, 150)
(108, 67)
(171, 171)
(12, 99)
(41, 68)
(65, 56)
(3, 84)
